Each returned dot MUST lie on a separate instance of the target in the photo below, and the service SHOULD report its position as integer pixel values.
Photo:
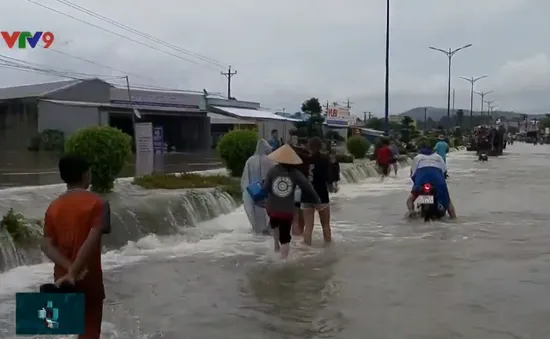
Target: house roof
(35, 90)
(175, 110)
(219, 119)
(254, 114)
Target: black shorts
(284, 226)
(393, 161)
(385, 169)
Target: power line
(24, 66)
(119, 35)
(229, 75)
(140, 33)
(14, 63)
(97, 63)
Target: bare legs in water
(309, 219)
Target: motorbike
(427, 205)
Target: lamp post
(472, 81)
(490, 107)
(482, 95)
(450, 53)
(387, 85)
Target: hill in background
(438, 113)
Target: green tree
(408, 129)
(106, 148)
(312, 106)
(314, 124)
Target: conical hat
(285, 155)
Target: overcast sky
(288, 50)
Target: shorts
(284, 226)
(298, 204)
(385, 169)
(393, 161)
(312, 205)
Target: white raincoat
(255, 170)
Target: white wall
(69, 119)
(265, 127)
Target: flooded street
(483, 276)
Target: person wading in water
(319, 169)
(280, 185)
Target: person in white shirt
(429, 167)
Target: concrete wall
(69, 118)
(90, 90)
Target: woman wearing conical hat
(280, 184)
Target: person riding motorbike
(429, 168)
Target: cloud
(286, 51)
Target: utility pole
(229, 75)
(489, 108)
(454, 97)
(387, 75)
(365, 117)
(327, 109)
(425, 119)
(472, 81)
(450, 53)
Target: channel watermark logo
(22, 39)
(49, 313)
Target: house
(26, 111)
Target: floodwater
(25, 168)
(483, 276)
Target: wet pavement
(482, 276)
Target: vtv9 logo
(24, 38)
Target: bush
(21, 231)
(191, 181)
(357, 146)
(344, 158)
(235, 148)
(106, 148)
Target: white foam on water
(233, 237)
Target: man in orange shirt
(73, 228)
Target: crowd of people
(299, 177)
(296, 180)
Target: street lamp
(387, 88)
(490, 108)
(472, 81)
(450, 53)
(482, 95)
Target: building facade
(67, 106)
